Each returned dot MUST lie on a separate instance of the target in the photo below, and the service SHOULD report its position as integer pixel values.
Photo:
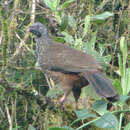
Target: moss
(5, 34)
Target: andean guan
(71, 68)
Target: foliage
(100, 28)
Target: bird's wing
(66, 59)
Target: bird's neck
(43, 43)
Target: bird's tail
(102, 85)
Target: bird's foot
(76, 105)
(62, 99)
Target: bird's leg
(76, 105)
(76, 93)
(66, 91)
(62, 99)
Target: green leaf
(117, 86)
(83, 114)
(127, 126)
(67, 3)
(108, 121)
(86, 25)
(123, 47)
(123, 99)
(107, 58)
(78, 43)
(68, 127)
(71, 21)
(80, 114)
(37, 65)
(68, 38)
(102, 48)
(41, 20)
(56, 3)
(57, 90)
(49, 4)
(100, 107)
(123, 83)
(59, 39)
(93, 40)
(127, 80)
(101, 17)
(120, 64)
(17, 127)
(122, 43)
(57, 128)
(64, 23)
(31, 127)
(58, 17)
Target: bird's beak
(34, 31)
(30, 29)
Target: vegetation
(28, 99)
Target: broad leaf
(64, 23)
(107, 58)
(93, 40)
(68, 127)
(59, 39)
(127, 80)
(78, 43)
(83, 114)
(49, 4)
(86, 25)
(57, 128)
(102, 49)
(101, 17)
(67, 3)
(123, 99)
(107, 121)
(117, 86)
(120, 64)
(52, 4)
(55, 3)
(127, 126)
(31, 127)
(71, 21)
(123, 47)
(68, 38)
(100, 107)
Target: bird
(71, 68)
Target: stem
(121, 111)
(9, 117)
(87, 123)
(121, 117)
(5, 35)
(120, 123)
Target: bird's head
(38, 29)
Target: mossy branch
(5, 34)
